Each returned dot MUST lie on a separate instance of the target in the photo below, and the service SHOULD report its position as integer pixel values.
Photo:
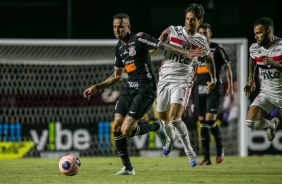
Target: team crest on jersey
(186, 45)
(132, 51)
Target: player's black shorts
(135, 102)
(208, 103)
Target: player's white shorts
(266, 103)
(171, 92)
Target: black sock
(205, 138)
(144, 128)
(216, 133)
(121, 145)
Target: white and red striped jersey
(270, 78)
(177, 67)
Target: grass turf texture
(248, 170)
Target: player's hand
(164, 35)
(265, 60)
(249, 88)
(90, 91)
(210, 86)
(195, 53)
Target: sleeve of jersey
(148, 42)
(251, 52)
(118, 63)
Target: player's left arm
(212, 71)
(273, 64)
(228, 74)
(199, 51)
(164, 37)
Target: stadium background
(45, 103)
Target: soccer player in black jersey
(206, 104)
(132, 55)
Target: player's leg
(121, 109)
(121, 146)
(142, 103)
(171, 138)
(163, 105)
(179, 99)
(176, 111)
(254, 119)
(213, 102)
(200, 110)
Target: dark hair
(205, 26)
(122, 16)
(197, 9)
(266, 22)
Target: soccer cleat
(205, 162)
(168, 146)
(123, 171)
(271, 132)
(220, 155)
(161, 133)
(193, 160)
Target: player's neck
(125, 39)
(272, 40)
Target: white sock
(170, 132)
(182, 132)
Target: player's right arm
(164, 37)
(212, 71)
(113, 79)
(251, 86)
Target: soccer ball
(69, 165)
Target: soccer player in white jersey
(267, 55)
(176, 77)
(132, 56)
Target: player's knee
(126, 132)
(175, 122)
(207, 123)
(254, 124)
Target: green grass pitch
(164, 170)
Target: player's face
(192, 23)
(121, 28)
(261, 35)
(205, 32)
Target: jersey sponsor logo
(132, 51)
(147, 42)
(133, 84)
(180, 59)
(270, 75)
(130, 67)
(202, 69)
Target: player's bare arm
(211, 68)
(270, 62)
(251, 86)
(113, 79)
(228, 74)
(163, 38)
(189, 53)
